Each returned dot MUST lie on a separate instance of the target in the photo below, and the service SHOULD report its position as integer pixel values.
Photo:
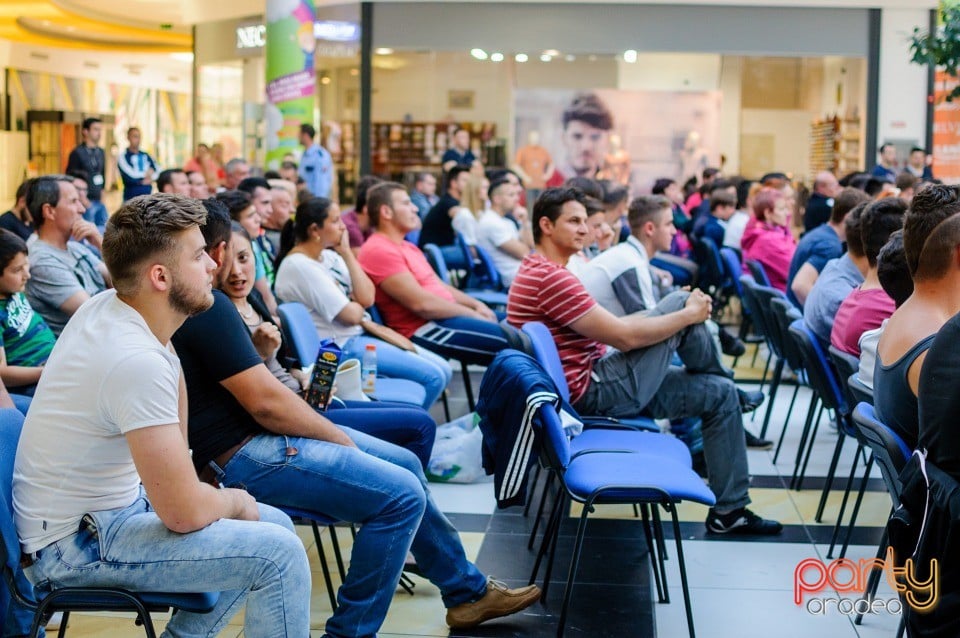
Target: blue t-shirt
(316, 169)
(834, 284)
(453, 155)
(817, 247)
(885, 174)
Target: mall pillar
(291, 76)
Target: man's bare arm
(183, 503)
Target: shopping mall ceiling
(129, 25)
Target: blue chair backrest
(545, 352)
(758, 271)
(785, 313)
(465, 249)
(299, 329)
(485, 274)
(413, 236)
(889, 450)
(820, 372)
(11, 422)
(556, 444)
(708, 258)
(847, 366)
(731, 268)
(765, 296)
(761, 321)
(375, 314)
(437, 262)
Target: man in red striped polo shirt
(620, 366)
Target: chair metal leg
(831, 472)
(63, 625)
(772, 395)
(468, 386)
(323, 566)
(763, 378)
(532, 491)
(406, 583)
(683, 567)
(547, 533)
(843, 505)
(446, 405)
(786, 422)
(661, 545)
(875, 574)
(807, 423)
(564, 504)
(656, 561)
(856, 507)
(574, 564)
(336, 551)
(543, 500)
(810, 442)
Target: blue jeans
(378, 485)
(430, 371)
(260, 563)
(462, 339)
(408, 426)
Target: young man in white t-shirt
(499, 236)
(104, 491)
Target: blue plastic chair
(67, 599)
(827, 386)
(758, 271)
(493, 298)
(545, 352)
(302, 335)
(891, 454)
(613, 478)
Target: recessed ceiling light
(521, 57)
(324, 80)
(551, 52)
(545, 58)
(569, 58)
(383, 51)
(630, 55)
(479, 54)
(496, 57)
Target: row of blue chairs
(613, 461)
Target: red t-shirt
(381, 258)
(545, 292)
(862, 310)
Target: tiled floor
(739, 588)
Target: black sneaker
(741, 521)
(755, 442)
(730, 345)
(749, 401)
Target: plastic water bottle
(370, 369)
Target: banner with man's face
(630, 136)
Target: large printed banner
(946, 131)
(633, 137)
(291, 77)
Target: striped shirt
(26, 339)
(546, 292)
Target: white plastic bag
(457, 452)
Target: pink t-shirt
(862, 310)
(546, 292)
(773, 246)
(381, 258)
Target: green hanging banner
(291, 77)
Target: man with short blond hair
(103, 476)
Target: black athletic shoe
(730, 345)
(749, 401)
(755, 442)
(741, 521)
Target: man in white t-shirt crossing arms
(104, 491)
(499, 236)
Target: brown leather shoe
(497, 602)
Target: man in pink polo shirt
(410, 296)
